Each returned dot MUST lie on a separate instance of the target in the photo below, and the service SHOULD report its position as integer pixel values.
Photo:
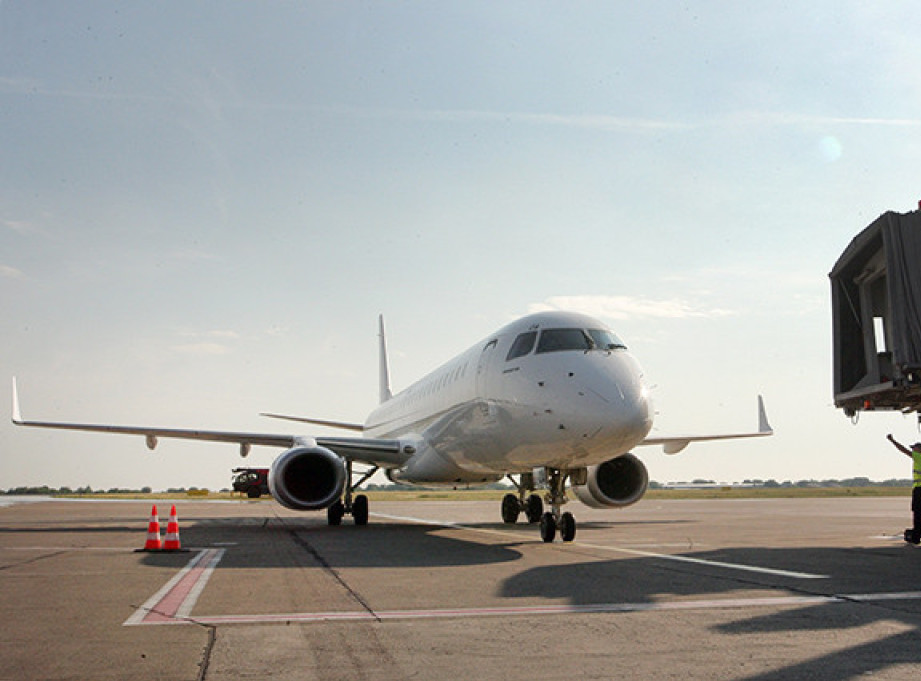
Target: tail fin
(385, 393)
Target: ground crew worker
(913, 534)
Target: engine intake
(614, 484)
(307, 478)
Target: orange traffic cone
(172, 532)
(153, 532)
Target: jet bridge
(876, 316)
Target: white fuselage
(521, 400)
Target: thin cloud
(589, 121)
(629, 307)
(207, 343)
(18, 226)
(8, 272)
(603, 122)
(794, 118)
(226, 334)
(202, 349)
(614, 123)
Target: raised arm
(902, 448)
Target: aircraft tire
(534, 509)
(334, 513)
(511, 507)
(547, 527)
(567, 527)
(360, 510)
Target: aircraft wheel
(547, 527)
(334, 513)
(567, 527)
(360, 510)
(535, 508)
(511, 507)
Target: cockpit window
(522, 345)
(556, 340)
(605, 340)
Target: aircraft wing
(677, 443)
(385, 453)
(318, 422)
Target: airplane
(552, 398)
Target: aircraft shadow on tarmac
(259, 542)
(286, 543)
(850, 663)
(849, 572)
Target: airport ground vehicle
(253, 482)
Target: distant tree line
(45, 490)
(769, 484)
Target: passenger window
(555, 340)
(522, 345)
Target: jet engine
(614, 484)
(307, 478)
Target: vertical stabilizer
(385, 393)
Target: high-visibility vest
(916, 467)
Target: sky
(204, 206)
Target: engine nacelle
(307, 478)
(614, 484)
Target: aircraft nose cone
(616, 402)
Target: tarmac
(762, 589)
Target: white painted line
(180, 593)
(185, 608)
(904, 595)
(714, 563)
(142, 612)
(530, 610)
(636, 552)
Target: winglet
(677, 443)
(384, 378)
(764, 425)
(17, 415)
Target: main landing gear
(356, 507)
(527, 500)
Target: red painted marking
(165, 609)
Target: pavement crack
(30, 561)
(207, 652)
(303, 543)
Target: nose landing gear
(549, 526)
(552, 521)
